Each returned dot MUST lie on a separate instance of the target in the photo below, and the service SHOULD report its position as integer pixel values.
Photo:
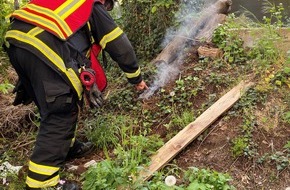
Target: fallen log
(171, 57)
(193, 130)
(195, 31)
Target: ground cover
(250, 142)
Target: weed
(287, 146)
(286, 117)
(179, 122)
(113, 174)
(244, 145)
(239, 146)
(104, 131)
(252, 97)
(230, 42)
(276, 14)
(281, 160)
(206, 179)
(4, 87)
(265, 51)
(12, 182)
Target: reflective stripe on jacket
(62, 17)
(48, 48)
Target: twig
(32, 141)
(232, 164)
(214, 127)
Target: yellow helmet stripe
(42, 169)
(110, 37)
(50, 54)
(42, 184)
(47, 23)
(132, 75)
(51, 14)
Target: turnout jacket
(57, 32)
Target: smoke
(165, 73)
(185, 17)
(188, 10)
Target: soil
(212, 149)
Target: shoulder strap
(89, 33)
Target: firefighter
(48, 44)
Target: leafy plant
(148, 19)
(276, 14)
(287, 146)
(105, 131)
(228, 40)
(265, 50)
(286, 117)
(281, 160)
(239, 146)
(200, 179)
(5, 87)
(120, 172)
(6, 8)
(178, 122)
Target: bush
(145, 23)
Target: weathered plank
(194, 129)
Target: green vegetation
(4, 87)
(145, 23)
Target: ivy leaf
(287, 70)
(288, 143)
(154, 9)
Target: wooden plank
(194, 129)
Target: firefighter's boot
(80, 149)
(69, 186)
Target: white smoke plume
(166, 72)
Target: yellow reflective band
(42, 169)
(45, 22)
(110, 37)
(68, 7)
(132, 75)
(88, 53)
(75, 81)
(50, 54)
(72, 142)
(90, 29)
(35, 31)
(42, 184)
(51, 14)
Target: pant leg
(57, 104)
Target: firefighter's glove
(94, 96)
(22, 96)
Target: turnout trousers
(58, 107)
